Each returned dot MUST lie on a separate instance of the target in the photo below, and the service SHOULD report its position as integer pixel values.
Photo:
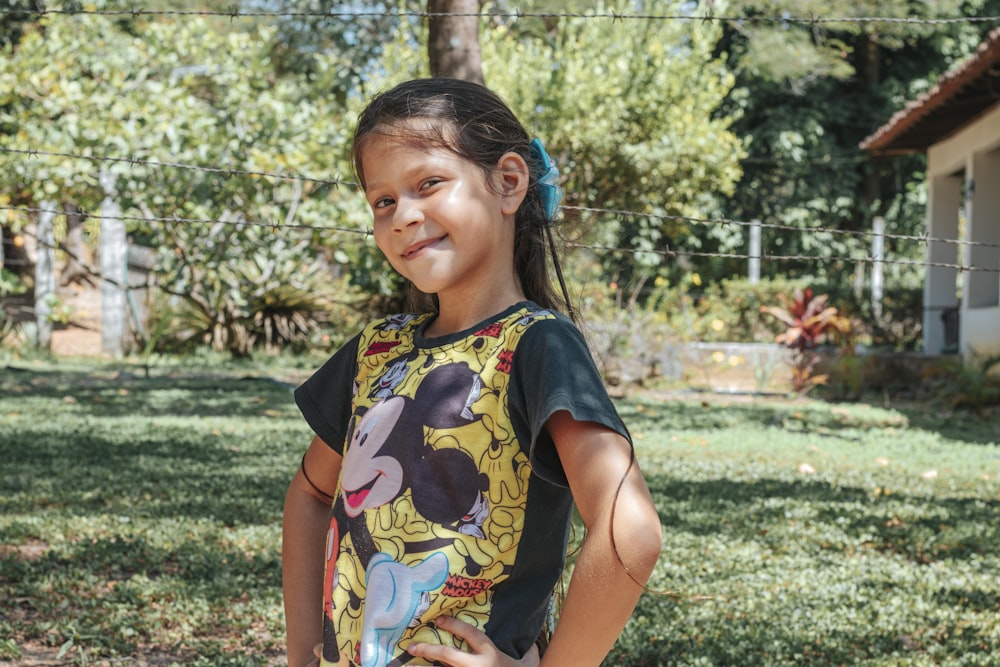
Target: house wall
(941, 299)
(970, 157)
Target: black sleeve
(553, 370)
(325, 398)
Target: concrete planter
(759, 368)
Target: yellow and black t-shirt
(451, 498)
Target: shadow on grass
(174, 472)
(226, 570)
(791, 416)
(113, 594)
(957, 425)
(737, 638)
(779, 513)
(205, 447)
(125, 394)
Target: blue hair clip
(547, 176)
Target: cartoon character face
(472, 523)
(370, 477)
(393, 375)
(395, 322)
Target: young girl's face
(437, 219)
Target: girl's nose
(408, 213)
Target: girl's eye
(382, 202)
(430, 183)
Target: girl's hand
(484, 652)
(317, 654)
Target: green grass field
(140, 524)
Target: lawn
(140, 524)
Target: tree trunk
(453, 40)
(872, 73)
(76, 269)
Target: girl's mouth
(415, 249)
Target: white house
(957, 122)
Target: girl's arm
(601, 594)
(306, 519)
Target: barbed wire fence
(114, 283)
(237, 12)
(114, 280)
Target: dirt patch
(81, 337)
(32, 549)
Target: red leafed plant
(808, 319)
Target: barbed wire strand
(337, 182)
(225, 171)
(273, 226)
(765, 256)
(81, 263)
(924, 239)
(786, 227)
(237, 13)
(667, 253)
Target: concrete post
(878, 257)
(754, 262)
(45, 275)
(114, 272)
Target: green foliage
(629, 114)
(140, 521)
(806, 95)
(275, 298)
(176, 92)
(10, 285)
(729, 310)
(967, 383)
(321, 27)
(636, 329)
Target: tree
(629, 110)
(806, 95)
(139, 105)
(453, 39)
(351, 33)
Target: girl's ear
(513, 177)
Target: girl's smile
(415, 248)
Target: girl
(428, 521)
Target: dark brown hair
(472, 122)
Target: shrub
(808, 320)
(966, 384)
(10, 285)
(268, 302)
(729, 310)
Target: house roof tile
(957, 98)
